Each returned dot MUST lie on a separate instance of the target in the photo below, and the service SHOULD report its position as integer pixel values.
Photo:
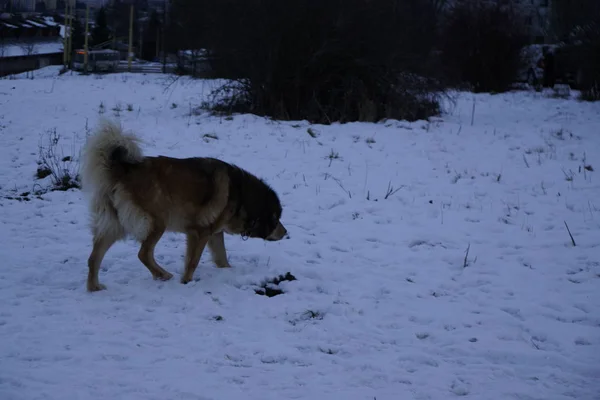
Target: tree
(100, 33)
(151, 37)
(78, 34)
(567, 15)
(481, 45)
(119, 18)
(190, 21)
(320, 60)
(576, 23)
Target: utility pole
(157, 42)
(66, 33)
(71, 16)
(114, 18)
(141, 41)
(85, 55)
(130, 38)
(164, 28)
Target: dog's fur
(132, 195)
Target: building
(96, 3)
(30, 5)
(28, 43)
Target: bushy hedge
(325, 60)
(587, 39)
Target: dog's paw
(223, 265)
(95, 287)
(164, 276)
(185, 280)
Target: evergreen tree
(151, 36)
(78, 34)
(100, 33)
(567, 15)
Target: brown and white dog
(132, 195)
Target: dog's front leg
(216, 245)
(196, 241)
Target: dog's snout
(278, 233)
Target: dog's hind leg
(102, 243)
(196, 241)
(216, 245)
(146, 254)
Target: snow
(22, 49)
(33, 23)
(383, 306)
(63, 31)
(50, 21)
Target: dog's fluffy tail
(105, 157)
(104, 154)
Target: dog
(142, 197)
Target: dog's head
(264, 220)
(262, 208)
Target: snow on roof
(42, 22)
(33, 23)
(63, 31)
(50, 21)
(23, 49)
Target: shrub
(63, 169)
(588, 39)
(591, 93)
(325, 60)
(481, 45)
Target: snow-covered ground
(386, 304)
